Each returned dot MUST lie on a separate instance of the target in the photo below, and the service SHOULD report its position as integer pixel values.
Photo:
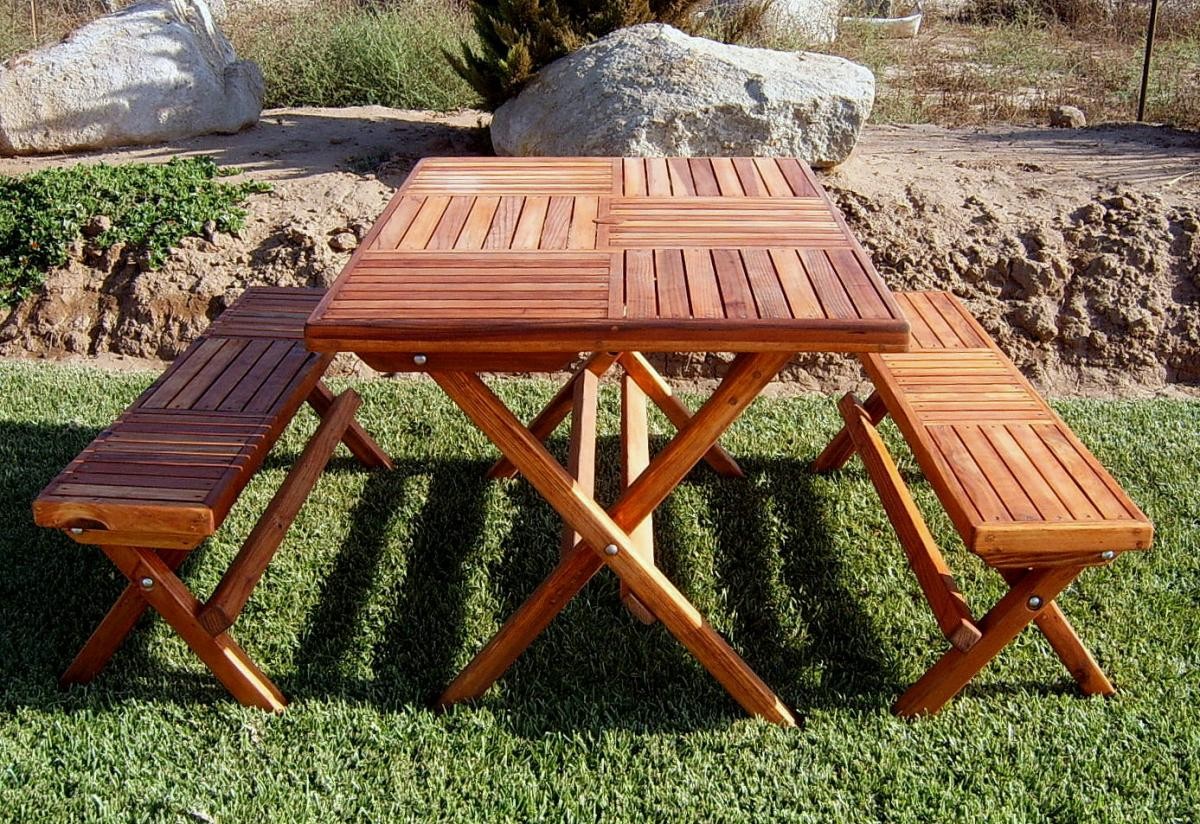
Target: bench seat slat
(1019, 486)
(175, 462)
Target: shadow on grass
(782, 597)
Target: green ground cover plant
(389, 583)
(151, 208)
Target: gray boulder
(156, 70)
(653, 90)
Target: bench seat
(1019, 486)
(1022, 490)
(167, 472)
(151, 487)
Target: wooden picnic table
(485, 264)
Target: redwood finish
(1023, 491)
(162, 478)
(526, 262)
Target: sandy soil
(1079, 250)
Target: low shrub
(516, 38)
(151, 208)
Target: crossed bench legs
(1031, 596)
(204, 626)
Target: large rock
(156, 70)
(653, 90)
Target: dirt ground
(1078, 249)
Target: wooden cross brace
(204, 626)
(1031, 597)
(615, 537)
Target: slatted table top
(524, 255)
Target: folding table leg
(1031, 595)
(659, 391)
(635, 457)
(559, 407)
(115, 627)
(608, 530)
(175, 603)
(581, 459)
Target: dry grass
(957, 73)
(1006, 61)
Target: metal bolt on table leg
(420, 360)
(147, 583)
(76, 530)
(1035, 602)
(1108, 554)
(611, 549)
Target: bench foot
(161, 588)
(113, 629)
(1031, 595)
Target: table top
(491, 255)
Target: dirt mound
(1079, 251)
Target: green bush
(152, 207)
(340, 54)
(516, 38)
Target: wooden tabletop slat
(675, 253)
(398, 222)
(726, 175)
(703, 177)
(634, 177)
(672, 284)
(658, 180)
(478, 224)
(702, 287)
(747, 172)
(641, 295)
(445, 236)
(529, 226)
(504, 224)
(679, 171)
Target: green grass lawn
(389, 582)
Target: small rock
(343, 242)
(209, 230)
(97, 226)
(1067, 117)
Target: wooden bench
(1021, 489)
(155, 484)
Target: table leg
(635, 457)
(559, 407)
(605, 532)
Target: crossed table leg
(606, 537)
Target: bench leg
(841, 448)
(162, 590)
(115, 627)
(1032, 594)
(1067, 646)
(360, 444)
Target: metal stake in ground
(1146, 60)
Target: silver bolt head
(1035, 602)
(420, 360)
(1108, 554)
(147, 583)
(611, 549)
(76, 530)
